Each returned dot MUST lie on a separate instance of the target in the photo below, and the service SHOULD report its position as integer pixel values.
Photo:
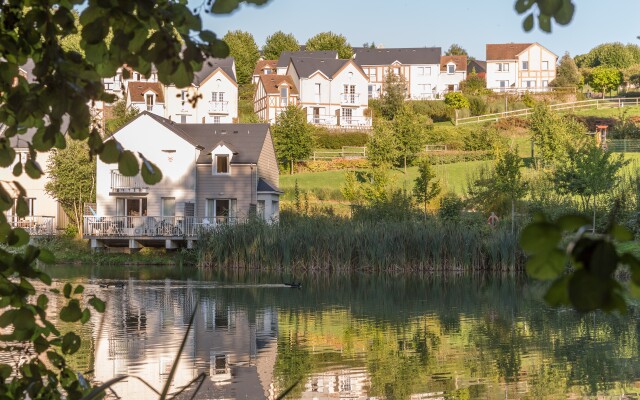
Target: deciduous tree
(330, 41)
(474, 85)
(277, 43)
(244, 49)
(382, 149)
(393, 96)
(605, 79)
(292, 136)
(456, 50)
(410, 130)
(567, 74)
(119, 117)
(425, 188)
(509, 179)
(550, 132)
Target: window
(349, 94)
(267, 71)
(347, 115)
(451, 68)
(525, 65)
(396, 71)
(220, 210)
(317, 92)
(425, 90)
(149, 99)
(284, 96)
(503, 84)
(530, 84)
(216, 119)
(545, 65)
(221, 163)
(545, 83)
(136, 76)
(217, 96)
(168, 207)
(130, 207)
(373, 74)
(183, 119)
(503, 67)
(260, 209)
(183, 96)
(420, 70)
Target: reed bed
(323, 243)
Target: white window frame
(503, 67)
(545, 65)
(451, 69)
(373, 74)
(163, 207)
(215, 164)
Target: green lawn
(608, 112)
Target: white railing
(350, 98)
(350, 152)
(151, 226)
(36, 225)
(157, 109)
(355, 122)
(333, 122)
(127, 184)
(219, 107)
(322, 119)
(576, 105)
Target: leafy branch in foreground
(584, 269)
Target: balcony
(35, 225)
(350, 99)
(342, 122)
(121, 184)
(218, 107)
(153, 226)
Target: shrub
(477, 106)
(434, 109)
(337, 164)
(450, 157)
(326, 139)
(483, 138)
(451, 207)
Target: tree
(66, 81)
(119, 117)
(72, 180)
(425, 188)
(330, 41)
(393, 96)
(615, 55)
(456, 50)
(605, 79)
(456, 101)
(588, 172)
(292, 136)
(244, 49)
(277, 43)
(382, 148)
(410, 130)
(509, 179)
(567, 74)
(550, 132)
(474, 85)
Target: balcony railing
(331, 121)
(350, 98)
(218, 107)
(153, 226)
(127, 184)
(36, 225)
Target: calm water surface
(350, 337)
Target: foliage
(474, 85)
(243, 48)
(482, 193)
(483, 138)
(382, 149)
(456, 50)
(451, 207)
(614, 55)
(327, 139)
(559, 10)
(337, 164)
(604, 79)
(477, 105)
(456, 100)
(550, 132)
(72, 180)
(567, 73)
(278, 42)
(393, 96)
(425, 188)
(330, 41)
(410, 131)
(588, 172)
(120, 115)
(509, 179)
(292, 136)
(434, 109)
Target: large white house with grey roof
(212, 174)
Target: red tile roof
(262, 64)
(459, 61)
(273, 82)
(507, 51)
(137, 90)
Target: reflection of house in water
(338, 384)
(144, 326)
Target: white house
(286, 56)
(273, 94)
(332, 91)
(419, 67)
(453, 70)
(216, 84)
(520, 67)
(212, 174)
(146, 96)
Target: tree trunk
(513, 216)
(425, 209)
(593, 227)
(291, 167)
(405, 164)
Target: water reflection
(358, 336)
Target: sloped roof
(424, 55)
(264, 186)
(212, 64)
(272, 83)
(263, 64)
(459, 61)
(506, 51)
(480, 66)
(137, 90)
(286, 56)
(305, 67)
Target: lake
(358, 336)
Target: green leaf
(56, 359)
(544, 21)
(78, 290)
(97, 304)
(43, 301)
(546, 266)
(5, 371)
(86, 314)
(558, 293)
(22, 208)
(603, 260)
(40, 344)
(589, 292)
(151, 174)
(67, 290)
(71, 312)
(540, 237)
(33, 169)
(621, 233)
(523, 5)
(46, 256)
(71, 343)
(565, 13)
(7, 318)
(527, 24)
(572, 223)
(17, 169)
(24, 320)
(110, 152)
(634, 289)
(128, 164)
(17, 237)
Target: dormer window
(284, 96)
(267, 71)
(451, 68)
(221, 164)
(149, 100)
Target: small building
(273, 94)
(520, 67)
(146, 96)
(212, 174)
(264, 67)
(453, 70)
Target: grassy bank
(78, 251)
(323, 243)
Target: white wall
(446, 79)
(419, 76)
(494, 76)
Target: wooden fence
(346, 152)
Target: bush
(434, 109)
(477, 106)
(335, 140)
(451, 207)
(337, 164)
(484, 138)
(450, 157)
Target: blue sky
(419, 23)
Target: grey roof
(246, 139)
(286, 56)
(480, 66)
(210, 65)
(424, 55)
(264, 186)
(305, 67)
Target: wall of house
(421, 78)
(268, 164)
(271, 206)
(494, 76)
(240, 184)
(157, 109)
(536, 73)
(446, 79)
(260, 103)
(155, 141)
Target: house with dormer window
(264, 67)
(285, 58)
(453, 70)
(146, 96)
(212, 174)
(520, 67)
(273, 94)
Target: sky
(428, 23)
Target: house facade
(453, 70)
(212, 174)
(273, 94)
(333, 92)
(146, 96)
(419, 67)
(519, 67)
